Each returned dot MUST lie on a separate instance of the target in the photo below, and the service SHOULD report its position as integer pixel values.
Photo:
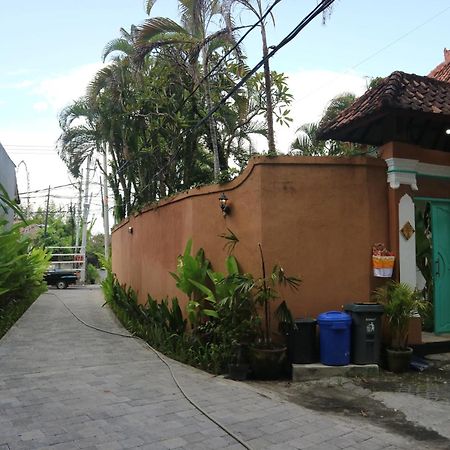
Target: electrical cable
(46, 189)
(377, 52)
(320, 8)
(164, 361)
(232, 49)
(314, 13)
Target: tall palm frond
(149, 5)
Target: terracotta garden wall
(317, 217)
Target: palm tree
(257, 8)
(193, 38)
(337, 105)
(78, 141)
(124, 46)
(307, 143)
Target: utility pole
(78, 220)
(85, 217)
(72, 224)
(28, 186)
(46, 213)
(105, 202)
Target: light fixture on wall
(447, 131)
(130, 230)
(223, 199)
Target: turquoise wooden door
(440, 217)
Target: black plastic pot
(302, 346)
(267, 363)
(238, 372)
(398, 360)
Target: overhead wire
(46, 189)
(319, 9)
(377, 52)
(221, 60)
(217, 65)
(231, 50)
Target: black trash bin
(366, 332)
(302, 342)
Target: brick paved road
(65, 386)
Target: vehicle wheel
(61, 285)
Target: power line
(320, 8)
(314, 13)
(219, 63)
(30, 146)
(377, 52)
(231, 50)
(45, 189)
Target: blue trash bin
(334, 336)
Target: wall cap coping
(253, 163)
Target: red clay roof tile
(399, 91)
(442, 71)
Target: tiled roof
(442, 71)
(399, 92)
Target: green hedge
(21, 274)
(164, 328)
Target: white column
(407, 257)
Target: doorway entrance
(440, 220)
(433, 258)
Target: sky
(51, 50)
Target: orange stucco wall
(317, 217)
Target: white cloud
(312, 91)
(24, 84)
(40, 106)
(61, 90)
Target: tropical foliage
(147, 106)
(22, 267)
(400, 301)
(307, 142)
(227, 312)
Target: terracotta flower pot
(398, 360)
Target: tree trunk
(211, 123)
(268, 90)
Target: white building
(8, 181)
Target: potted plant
(400, 301)
(238, 367)
(266, 357)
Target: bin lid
(333, 316)
(305, 320)
(364, 307)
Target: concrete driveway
(66, 386)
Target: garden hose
(164, 361)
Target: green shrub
(22, 267)
(92, 275)
(11, 313)
(162, 326)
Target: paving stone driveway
(66, 386)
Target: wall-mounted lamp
(447, 131)
(130, 230)
(223, 204)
